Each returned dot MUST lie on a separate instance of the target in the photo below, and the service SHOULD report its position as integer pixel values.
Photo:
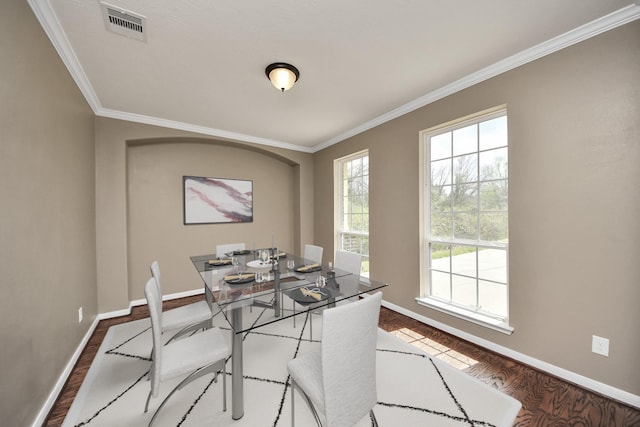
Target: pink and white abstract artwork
(215, 200)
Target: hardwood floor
(546, 401)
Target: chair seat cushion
(306, 371)
(190, 353)
(186, 315)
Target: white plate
(258, 264)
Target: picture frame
(208, 200)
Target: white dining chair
(313, 253)
(348, 261)
(352, 263)
(194, 356)
(185, 319)
(222, 250)
(338, 380)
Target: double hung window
(352, 206)
(466, 218)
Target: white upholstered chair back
(313, 253)
(351, 262)
(155, 272)
(348, 352)
(221, 250)
(348, 261)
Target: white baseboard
(572, 377)
(55, 392)
(62, 379)
(138, 302)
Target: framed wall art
(217, 200)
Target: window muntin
(352, 175)
(466, 217)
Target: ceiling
(362, 62)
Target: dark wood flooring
(546, 401)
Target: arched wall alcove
(155, 223)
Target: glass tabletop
(310, 284)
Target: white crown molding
(591, 29)
(47, 18)
(234, 136)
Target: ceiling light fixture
(282, 75)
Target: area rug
(413, 388)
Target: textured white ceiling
(362, 62)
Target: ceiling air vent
(124, 22)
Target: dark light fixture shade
(282, 75)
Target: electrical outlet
(600, 345)
(80, 315)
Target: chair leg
(146, 406)
(194, 375)
(374, 422)
(293, 415)
(224, 387)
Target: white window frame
(339, 229)
(475, 315)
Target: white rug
(413, 389)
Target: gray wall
(47, 216)
(574, 169)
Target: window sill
(477, 318)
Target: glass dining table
(284, 276)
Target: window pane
(465, 140)
(493, 133)
(351, 187)
(492, 298)
(465, 197)
(440, 286)
(465, 169)
(441, 172)
(347, 222)
(494, 227)
(441, 146)
(441, 198)
(441, 257)
(441, 225)
(465, 225)
(492, 265)
(464, 291)
(360, 222)
(464, 260)
(494, 196)
(364, 247)
(493, 164)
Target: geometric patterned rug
(413, 388)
